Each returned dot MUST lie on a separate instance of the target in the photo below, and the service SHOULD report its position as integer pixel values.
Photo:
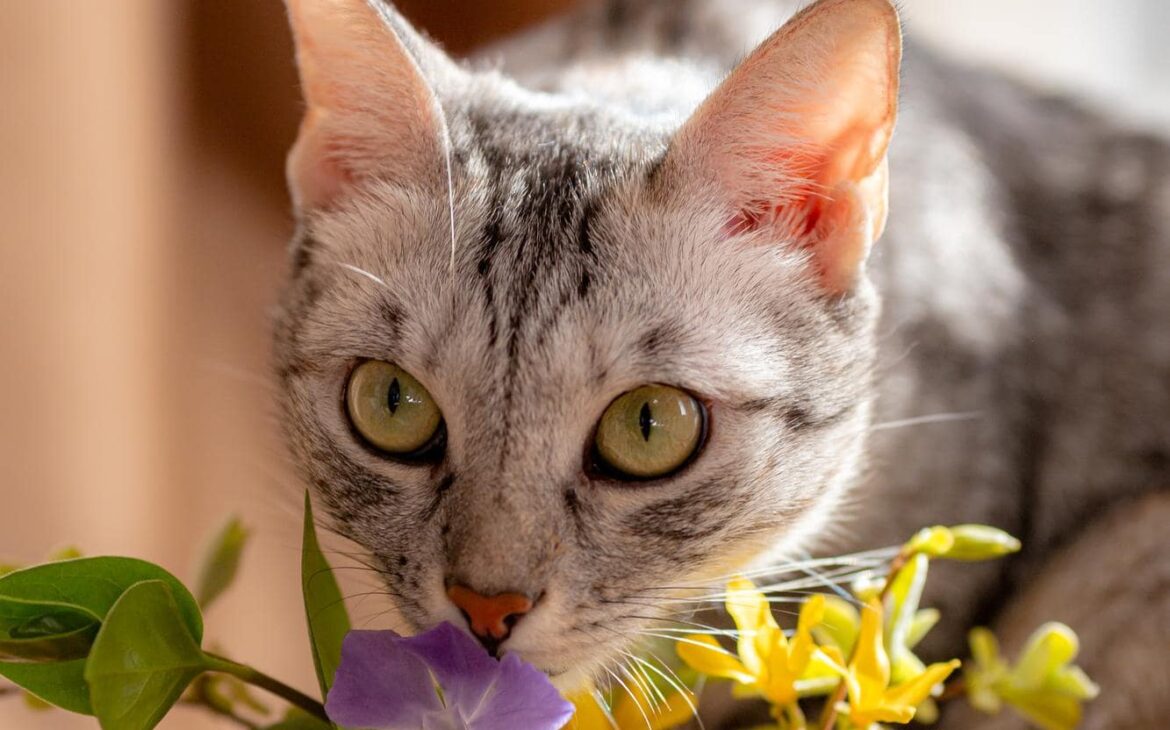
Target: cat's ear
(371, 108)
(795, 139)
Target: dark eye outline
(598, 469)
(432, 452)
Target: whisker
(633, 697)
(676, 684)
(922, 420)
(362, 272)
(641, 682)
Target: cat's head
(482, 274)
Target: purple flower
(388, 682)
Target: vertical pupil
(645, 421)
(394, 397)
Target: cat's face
(588, 258)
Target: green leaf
(51, 611)
(143, 658)
(61, 684)
(220, 562)
(89, 586)
(50, 637)
(324, 608)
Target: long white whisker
(654, 635)
(641, 682)
(869, 558)
(362, 272)
(639, 667)
(677, 684)
(633, 697)
(921, 420)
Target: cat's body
(1019, 374)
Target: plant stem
(223, 712)
(257, 678)
(796, 717)
(829, 714)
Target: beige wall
(137, 269)
(142, 232)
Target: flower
(766, 662)
(867, 678)
(632, 710)
(439, 680)
(962, 542)
(1044, 685)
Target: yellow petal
(913, 692)
(1050, 647)
(1047, 710)
(589, 714)
(921, 625)
(980, 542)
(752, 613)
(870, 665)
(865, 717)
(635, 709)
(933, 541)
(811, 615)
(1073, 681)
(679, 709)
(840, 624)
(984, 648)
(704, 654)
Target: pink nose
(491, 617)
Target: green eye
(390, 409)
(650, 432)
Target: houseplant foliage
(122, 640)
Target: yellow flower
(867, 679)
(962, 542)
(1044, 685)
(766, 662)
(632, 710)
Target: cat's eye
(391, 409)
(649, 432)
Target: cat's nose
(491, 617)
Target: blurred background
(145, 219)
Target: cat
(501, 250)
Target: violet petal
(522, 697)
(380, 684)
(387, 682)
(460, 665)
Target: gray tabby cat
(493, 264)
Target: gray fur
(1024, 282)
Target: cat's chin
(569, 678)
(569, 681)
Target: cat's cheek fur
(589, 255)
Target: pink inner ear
(314, 170)
(853, 155)
(801, 210)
